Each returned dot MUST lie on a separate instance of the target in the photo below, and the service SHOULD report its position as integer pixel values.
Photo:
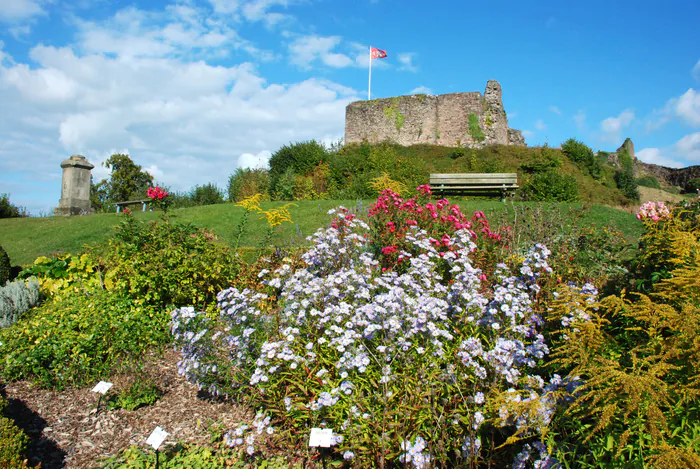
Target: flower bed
(407, 355)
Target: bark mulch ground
(66, 432)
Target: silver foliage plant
(417, 367)
(16, 298)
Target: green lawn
(25, 239)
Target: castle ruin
(455, 119)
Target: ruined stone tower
(466, 119)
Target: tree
(128, 180)
(10, 210)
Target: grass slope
(25, 239)
(502, 158)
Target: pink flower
(389, 249)
(424, 189)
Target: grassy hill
(25, 239)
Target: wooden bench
(486, 183)
(122, 205)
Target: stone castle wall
(437, 120)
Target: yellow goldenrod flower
(384, 182)
(251, 203)
(277, 216)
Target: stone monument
(75, 191)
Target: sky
(194, 89)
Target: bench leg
(118, 208)
(143, 208)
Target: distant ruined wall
(437, 120)
(671, 176)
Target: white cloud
(612, 127)
(225, 6)
(259, 160)
(421, 90)
(406, 61)
(18, 32)
(696, 71)
(555, 110)
(257, 10)
(188, 121)
(176, 31)
(689, 147)
(528, 133)
(687, 107)
(20, 10)
(684, 152)
(307, 49)
(657, 156)
(580, 119)
(540, 125)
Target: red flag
(377, 53)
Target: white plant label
(102, 387)
(321, 437)
(157, 438)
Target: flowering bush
(653, 211)
(392, 217)
(403, 366)
(159, 197)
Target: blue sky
(193, 89)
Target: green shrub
(649, 181)
(624, 177)
(304, 188)
(180, 199)
(81, 339)
(475, 129)
(139, 394)
(245, 182)
(551, 186)
(16, 298)
(627, 184)
(637, 354)
(286, 185)
(542, 160)
(583, 156)
(192, 457)
(167, 264)
(13, 442)
(300, 157)
(9, 210)
(208, 194)
(64, 273)
(692, 186)
(5, 267)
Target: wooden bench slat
(474, 175)
(511, 186)
(473, 181)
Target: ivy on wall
(475, 129)
(489, 119)
(392, 113)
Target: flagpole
(369, 86)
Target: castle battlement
(467, 119)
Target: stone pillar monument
(75, 191)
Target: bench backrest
(473, 178)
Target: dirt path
(66, 432)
